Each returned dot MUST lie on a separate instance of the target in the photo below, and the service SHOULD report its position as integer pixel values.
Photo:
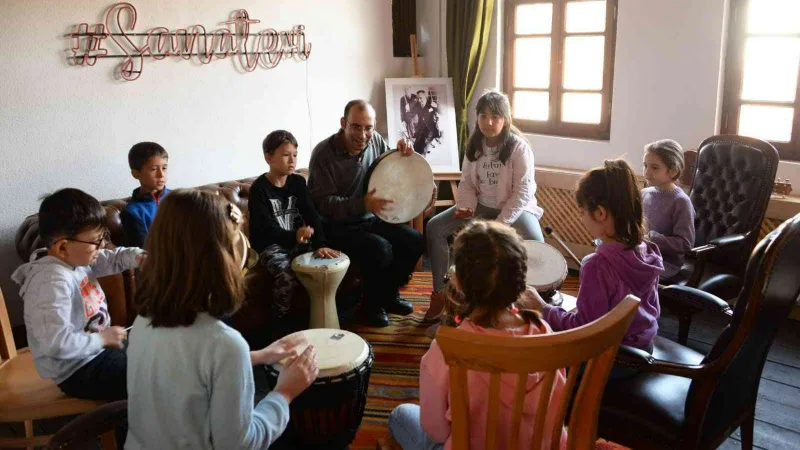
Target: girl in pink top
(490, 267)
(497, 183)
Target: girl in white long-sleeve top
(497, 183)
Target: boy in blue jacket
(148, 162)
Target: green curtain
(468, 26)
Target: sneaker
(399, 306)
(435, 309)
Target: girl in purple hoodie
(623, 264)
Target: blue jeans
(444, 224)
(405, 428)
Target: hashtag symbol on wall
(88, 45)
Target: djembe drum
(547, 270)
(328, 414)
(321, 278)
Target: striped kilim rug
(398, 351)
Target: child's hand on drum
(304, 234)
(327, 253)
(283, 348)
(297, 374)
(463, 213)
(530, 299)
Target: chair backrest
(732, 184)
(595, 343)
(237, 191)
(85, 428)
(771, 290)
(8, 348)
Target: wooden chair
(595, 343)
(25, 396)
(686, 400)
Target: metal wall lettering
(266, 48)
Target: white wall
(431, 37)
(667, 83)
(72, 126)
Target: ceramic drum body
(321, 278)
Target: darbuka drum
(328, 414)
(406, 180)
(547, 270)
(321, 278)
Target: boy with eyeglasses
(66, 314)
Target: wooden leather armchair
(685, 400)
(730, 192)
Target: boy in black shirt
(283, 221)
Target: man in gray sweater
(386, 252)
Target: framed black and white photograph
(421, 110)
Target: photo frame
(422, 110)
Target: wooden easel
(415, 72)
(452, 177)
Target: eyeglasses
(361, 130)
(106, 238)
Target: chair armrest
(702, 253)
(718, 243)
(684, 297)
(727, 241)
(634, 358)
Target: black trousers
(103, 378)
(387, 254)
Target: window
(761, 73)
(559, 64)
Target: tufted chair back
(732, 184)
(28, 240)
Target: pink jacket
(516, 187)
(434, 395)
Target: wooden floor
(778, 407)
(777, 410)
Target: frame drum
(406, 180)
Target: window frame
(554, 126)
(734, 77)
